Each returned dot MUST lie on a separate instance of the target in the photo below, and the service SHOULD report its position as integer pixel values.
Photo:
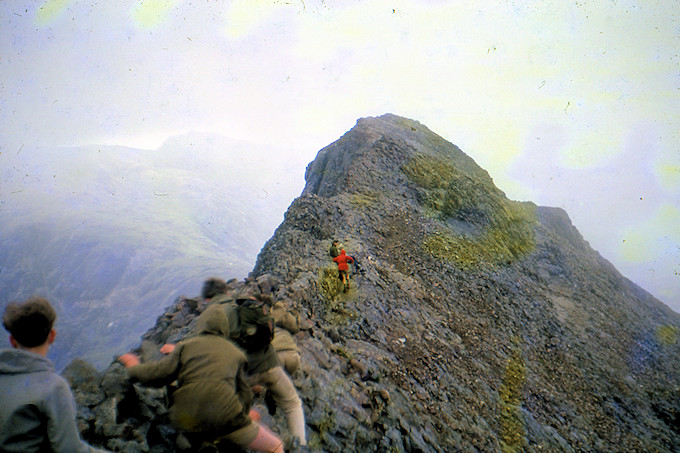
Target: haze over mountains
(112, 235)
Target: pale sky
(568, 104)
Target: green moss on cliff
(668, 335)
(508, 238)
(331, 291)
(513, 431)
(330, 285)
(430, 172)
(363, 200)
(507, 226)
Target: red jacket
(342, 260)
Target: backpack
(284, 318)
(257, 324)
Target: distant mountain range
(112, 235)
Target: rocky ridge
(473, 323)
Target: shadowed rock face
(473, 322)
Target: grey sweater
(37, 410)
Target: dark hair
(212, 287)
(29, 322)
(266, 298)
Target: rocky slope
(473, 323)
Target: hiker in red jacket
(343, 267)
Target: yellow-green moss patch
(429, 172)
(668, 335)
(331, 291)
(499, 244)
(513, 430)
(507, 227)
(363, 200)
(330, 285)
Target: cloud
(148, 14)
(669, 176)
(50, 10)
(655, 236)
(650, 250)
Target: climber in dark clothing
(333, 252)
(356, 266)
(264, 369)
(212, 400)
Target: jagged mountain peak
(368, 157)
(463, 290)
(472, 323)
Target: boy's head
(29, 322)
(212, 287)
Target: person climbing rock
(212, 400)
(286, 325)
(264, 369)
(334, 251)
(356, 265)
(343, 268)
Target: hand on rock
(167, 348)
(255, 415)
(129, 360)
